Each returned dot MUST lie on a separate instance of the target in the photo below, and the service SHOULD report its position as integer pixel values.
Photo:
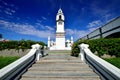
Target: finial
(71, 38)
(60, 11)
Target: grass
(4, 61)
(114, 61)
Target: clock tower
(60, 42)
(60, 32)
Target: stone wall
(14, 52)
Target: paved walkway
(60, 67)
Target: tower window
(60, 17)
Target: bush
(18, 44)
(102, 46)
(75, 49)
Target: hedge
(18, 44)
(102, 46)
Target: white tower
(49, 42)
(71, 40)
(60, 33)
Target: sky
(35, 19)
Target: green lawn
(6, 60)
(114, 61)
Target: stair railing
(14, 70)
(106, 70)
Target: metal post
(100, 32)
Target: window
(60, 17)
(60, 22)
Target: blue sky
(35, 19)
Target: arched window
(60, 17)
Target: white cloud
(44, 18)
(39, 24)
(49, 28)
(9, 11)
(69, 31)
(39, 21)
(81, 33)
(94, 25)
(97, 10)
(76, 33)
(105, 12)
(13, 11)
(92, 29)
(27, 29)
(5, 3)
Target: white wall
(60, 43)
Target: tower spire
(60, 11)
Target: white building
(60, 43)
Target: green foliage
(114, 61)
(75, 49)
(18, 44)
(102, 46)
(4, 61)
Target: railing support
(82, 47)
(38, 52)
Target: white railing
(14, 70)
(106, 70)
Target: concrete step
(37, 74)
(59, 74)
(59, 61)
(60, 67)
(59, 51)
(61, 78)
(57, 64)
(61, 57)
(60, 71)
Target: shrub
(102, 46)
(18, 44)
(75, 49)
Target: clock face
(60, 23)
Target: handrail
(15, 69)
(106, 70)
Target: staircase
(59, 66)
